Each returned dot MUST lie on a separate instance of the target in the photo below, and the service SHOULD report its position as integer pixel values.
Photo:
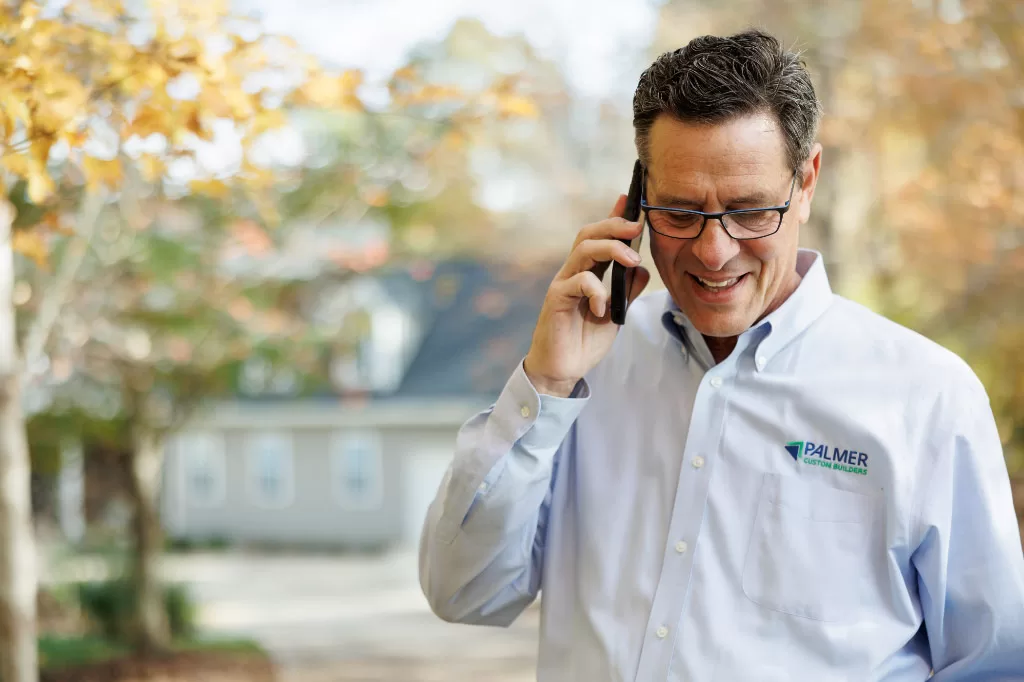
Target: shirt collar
(805, 305)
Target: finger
(610, 228)
(641, 277)
(585, 285)
(619, 208)
(599, 251)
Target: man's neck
(720, 346)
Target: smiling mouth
(717, 285)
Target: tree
(937, 93)
(164, 326)
(90, 88)
(176, 73)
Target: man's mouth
(717, 285)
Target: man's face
(737, 164)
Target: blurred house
(357, 465)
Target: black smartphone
(622, 277)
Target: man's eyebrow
(753, 199)
(671, 200)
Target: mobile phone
(622, 277)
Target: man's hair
(713, 80)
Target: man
(752, 479)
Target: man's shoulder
(868, 336)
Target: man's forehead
(751, 146)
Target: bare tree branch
(55, 296)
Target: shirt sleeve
(969, 560)
(482, 545)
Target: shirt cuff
(535, 420)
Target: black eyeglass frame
(782, 210)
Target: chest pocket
(812, 549)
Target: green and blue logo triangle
(795, 448)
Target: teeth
(718, 285)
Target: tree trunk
(151, 628)
(18, 659)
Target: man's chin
(718, 323)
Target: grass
(65, 652)
(62, 652)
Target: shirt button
(681, 546)
(482, 487)
(761, 361)
(525, 411)
(698, 462)
(661, 632)
(716, 382)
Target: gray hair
(713, 79)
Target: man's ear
(809, 181)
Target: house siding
(315, 517)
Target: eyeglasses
(741, 223)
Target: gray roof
(480, 330)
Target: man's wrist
(556, 388)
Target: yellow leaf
(31, 244)
(406, 73)
(211, 188)
(155, 76)
(328, 91)
(101, 172)
(149, 120)
(240, 103)
(256, 177)
(213, 103)
(76, 138)
(40, 185)
(517, 105)
(267, 119)
(151, 167)
(194, 123)
(40, 149)
(16, 163)
(16, 108)
(454, 139)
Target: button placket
(678, 561)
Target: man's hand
(574, 330)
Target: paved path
(342, 619)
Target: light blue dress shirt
(828, 503)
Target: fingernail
(634, 255)
(601, 307)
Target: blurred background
(265, 257)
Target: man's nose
(714, 247)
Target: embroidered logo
(821, 455)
